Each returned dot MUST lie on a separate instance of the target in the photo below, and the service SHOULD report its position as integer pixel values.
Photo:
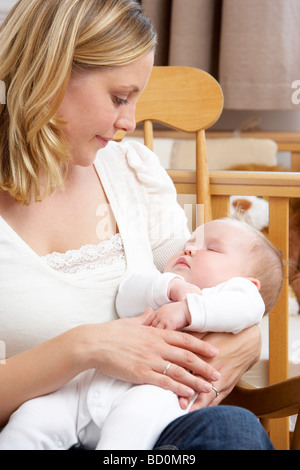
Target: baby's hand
(178, 289)
(173, 316)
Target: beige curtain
(188, 31)
(251, 46)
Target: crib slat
(278, 318)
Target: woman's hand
(128, 350)
(237, 354)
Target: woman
(70, 202)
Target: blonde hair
(266, 261)
(41, 43)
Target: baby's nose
(191, 251)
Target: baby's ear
(255, 281)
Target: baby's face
(216, 252)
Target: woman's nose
(126, 119)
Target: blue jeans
(216, 428)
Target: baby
(216, 284)
(227, 276)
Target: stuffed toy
(256, 208)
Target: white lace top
(89, 261)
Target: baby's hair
(267, 263)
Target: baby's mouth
(182, 261)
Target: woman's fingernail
(184, 404)
(207, 387)
(214, 351)
(216, 375)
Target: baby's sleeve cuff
(160, 288)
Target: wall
(5, 6)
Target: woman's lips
(103, 141)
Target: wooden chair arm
(274, 401)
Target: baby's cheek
(170, 264)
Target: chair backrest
(186, 99)
(190, 100)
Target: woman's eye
(120, 101)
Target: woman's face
(100, 102)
